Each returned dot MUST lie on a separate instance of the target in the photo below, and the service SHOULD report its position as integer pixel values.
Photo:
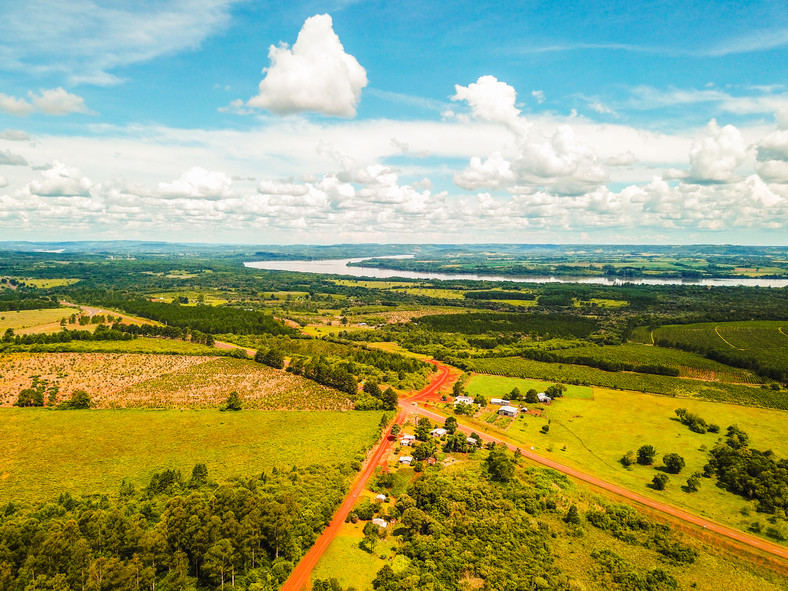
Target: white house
(499, 401)
(471, 441)
(438, 433)
(544, 398)
(408, 439)
(508, 411)
(380, 498)
(406, 460)
(463, 399)
(380, 522)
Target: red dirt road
(299, 578)
(711, 526)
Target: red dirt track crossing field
(299, 578)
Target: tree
(79, 400)
(629, 458)
(555, 391)
(218, 561)
(674, 463)
(29, 397)
(274, 358)
(423, 429)
(693, 483)
(515, 394)
(572, 516)
(233, 402)
(395, 429)
(499, 465)
(372, 388)
(389, 398)
(660, 481)
(457, 389)
(646, 455)
(199, 476)
(450, 425)
(531, 397)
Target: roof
(407, 436)
(439, 432)
(508, 409)
(405, 459)
(380, 522)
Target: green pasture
(46, 452)
(349, 564)
(433, 292)
(22, 319)
(209, 298)
(138, 345)
(47, 283)
(499, 387)
(675, 387)
(592, 435)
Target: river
(340, 267)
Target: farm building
(499, 401)
(544, 398)
(438, 433)
(406, 460)
(407, 439)
(508, 411)
(471, 441)
(463, 399)
(380, 498)
(380, 522)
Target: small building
(544, 398)
(380, 522)
(508, 411)
(471, 441)
(499, 401)
(523, 409)
(407, 439)
(407, 460)
(431, 461)
(438, 433)
(463, 400)
(380, 498)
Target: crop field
(46, 452)
(22, 319)
(690, 365)
(499, 387)
(656, 384)
(47, 283)
(119, 380)
(139, 345)
(766, 341)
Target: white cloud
(492, 173)
(60, 180)
(14, 135)
(197, 183)
(538, 95)
(772, 152)
(715, 157)
(9, 158)
(490, 100)
(53, 101)
(12, 105)
(601, 109)
(3, 181)
(57, 101)
(316, 75)
(623, 159)
(758, 101)
(87, 39)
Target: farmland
(89, 452)
(498, 387)
(118, 380)
(670, 386)
(22, 319)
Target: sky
(353, 121)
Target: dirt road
(711, 526)
(299, 578)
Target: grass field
(657, 384)
(47, 283)
(47, 452)
(23, 319)
(499, 387)
(117, 380)
(593, 435)
(138, 345)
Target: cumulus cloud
(53, 101)
(490, 100)
(60, 180)
(492, 173)
(315, 75)
(538, 95)
(196, 183)
(715, 156)
(14, 135)
(624, 159)
(9, 158)
(3, 181)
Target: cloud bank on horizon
(380, 124)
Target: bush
(646, 455)
(233, 402)
(674, 463)
(660, 481)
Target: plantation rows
(476, 323)
(577, 374)
(688, 364)
(761, 346)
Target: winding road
(299, 578)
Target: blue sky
(321, 122)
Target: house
(508, 411)
(380, 522)
(523, 409)
(471, 441)
(407, 439)
(463, 399)
(499, 401)
(380, 498)
(544, 398)
(407, 460)
(438, 433)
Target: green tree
(646, 455)
(660, 481)
(499, 466)
(79, 400)
(628, 459)
(531, 397)
(555, 391)
(199, 476)
(674, 463)
(693, 483)
(450, 425)
(572, 516)
(233, 402)
(218, 562)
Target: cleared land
(47, 452)
(120, 380)
(499, 387)
(24, 319)
(592, 435)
